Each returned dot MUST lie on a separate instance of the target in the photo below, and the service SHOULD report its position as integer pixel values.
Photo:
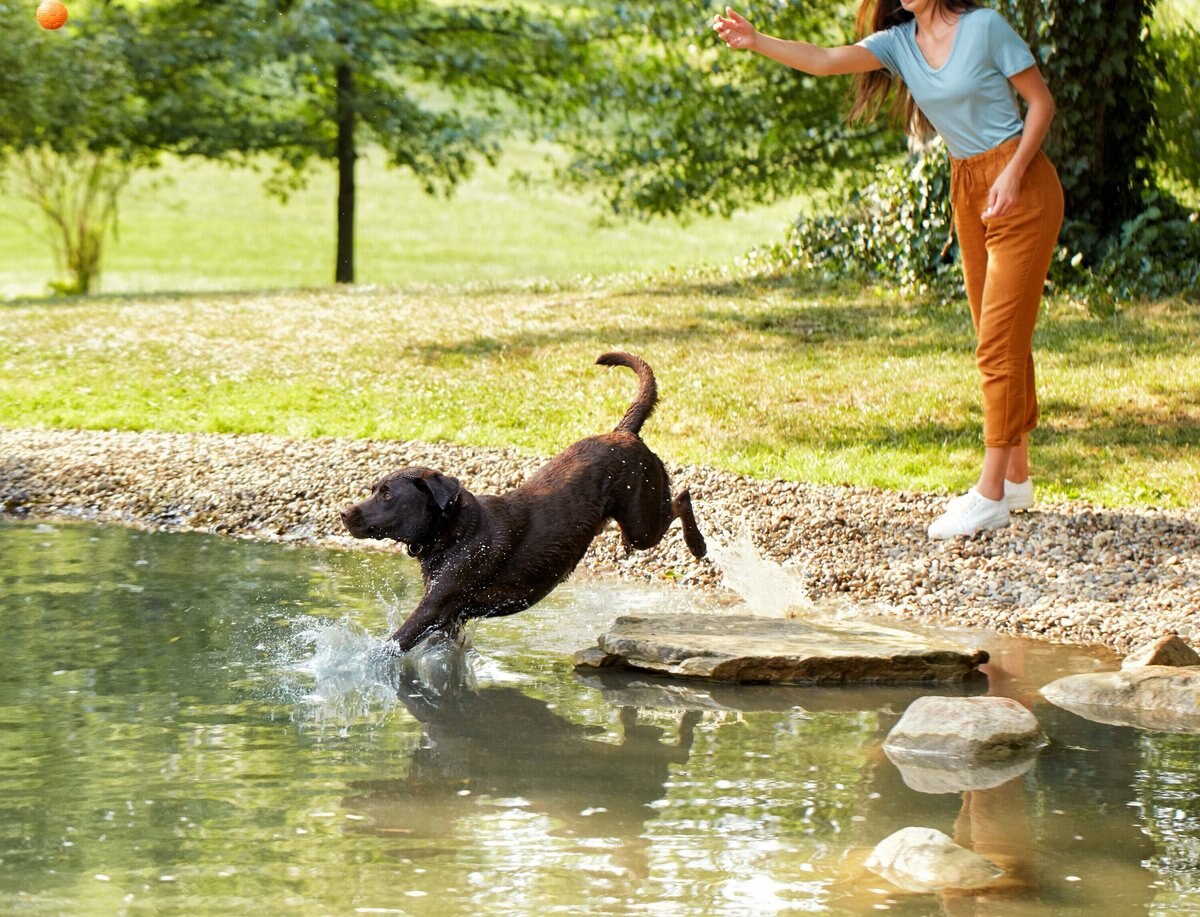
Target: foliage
(366, 71)
(1122, 239)
(1177, 97)
(69, 131)
(689, 127)
(1155, 253)
(896, 228)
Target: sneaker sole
(986, 527)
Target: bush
(895, 230)
(1157, 253)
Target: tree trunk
(346, 156)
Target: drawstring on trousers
(958, 176)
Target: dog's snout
(351, 517)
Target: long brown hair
(871, 89)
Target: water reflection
(195, 725)
(499, 748)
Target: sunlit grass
(840, 387)
(196, 225)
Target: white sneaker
(1018, 496)
(968, 514)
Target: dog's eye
(385, 494)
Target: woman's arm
(739, 34)
(1039, 114)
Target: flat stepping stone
(744, 648)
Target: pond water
(197, 725)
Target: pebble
(1068, 571)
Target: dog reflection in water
(486, 747)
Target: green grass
(195, 225)
(768, 380)
(848, 387)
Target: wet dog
(487, 556)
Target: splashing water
(769, 589)
(348, 677)
(349, 673)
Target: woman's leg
(1005, 263)
(1018, 462)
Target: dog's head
(408, 506)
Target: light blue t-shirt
(968, 100)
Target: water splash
(768, 588)
(345, 676)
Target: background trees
(655, 115)
(711, 129)
(434, 86)
(689, 126)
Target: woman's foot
(1019, 496)
(968, 514)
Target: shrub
(895, 229)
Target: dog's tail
(647, 396)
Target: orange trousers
(1005, 261)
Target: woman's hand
(1003, 194)
(735, 30)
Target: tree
(689, 127)
(1100, 66)
(68, 134)
(432, 85)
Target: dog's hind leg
(682, 507)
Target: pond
(190, 724)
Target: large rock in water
(743, 648)
(1158, 697)
(951, 744)
(982, 729)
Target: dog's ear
(443, 488)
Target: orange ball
(51, 14)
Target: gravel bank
(1067, 572)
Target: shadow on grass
(135, 298)
(902, 333)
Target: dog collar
(440, 524)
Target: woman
(956, 66)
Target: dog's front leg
(432, 614)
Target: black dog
(488, 556)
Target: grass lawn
(851, 387)
(837, 386)
(194, 225)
